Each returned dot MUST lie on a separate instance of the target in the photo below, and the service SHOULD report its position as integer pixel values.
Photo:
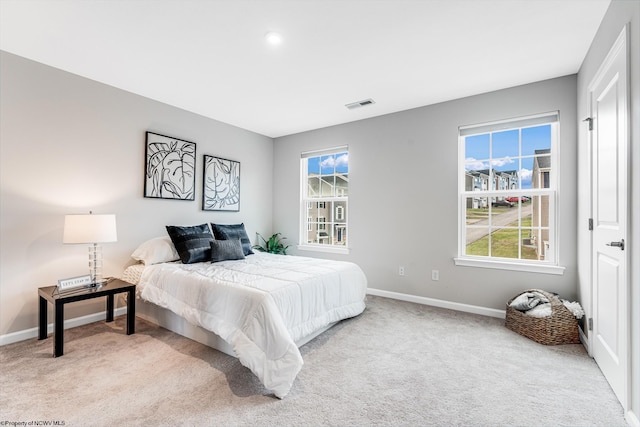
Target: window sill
(324, 248)
(505, 265)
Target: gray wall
(619, 14)
(403, 194)
(70, 145)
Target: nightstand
(51, 294)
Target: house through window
(325, 184)
(507, 191)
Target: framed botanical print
(221, 184)
(170, 168)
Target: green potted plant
(273, 245)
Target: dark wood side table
(51, 294)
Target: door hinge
(590, 224)
(590, 120)
(590, 324)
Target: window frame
(548, 266)
(330, 201)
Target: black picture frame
(220, 184)
(170, 168)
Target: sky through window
(507, 150)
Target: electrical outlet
(435, 275)
(401, 270)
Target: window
(322, 223)
(325, 185)
(507, 194)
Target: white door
(609, 112)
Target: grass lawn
(504, 243)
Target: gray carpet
(396, 364)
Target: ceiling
(210, 56)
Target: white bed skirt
(171, 321)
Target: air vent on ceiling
(359, 104)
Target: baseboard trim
(467, 308)
(632, 419)
(585, 341)
(69, 323)
(96, 317)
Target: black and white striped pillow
(193, 243)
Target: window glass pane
(526, 172)
(327, 164)
(313, 166)
(323, 237)
(523, 201)
(327, 185)
(528, 243)
(341, 234)
(505, 164)
(505, 144)
(477, 241)
(505, 179)
(539, 242)
(313, 186)
(476, 147)
(540, 211)
(540, 224)
(340, 212)
(477, 180)
(342, 163)
(505, 242)
(312, 230)
(541, 169)
(342, 185)
(477, 230)
(500, 205)
(536, 138)
(476, 210)
(477, 167)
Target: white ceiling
(210, 56)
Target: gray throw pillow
(233, 232)
(226, 250)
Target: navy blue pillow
(233, 232)
(192, 243)
(226, 250)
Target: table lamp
(91, 229)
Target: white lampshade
(89, 229)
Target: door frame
(621, 44)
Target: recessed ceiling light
(273, 38)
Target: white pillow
(155, 251)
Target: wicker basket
(559, 328)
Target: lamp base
(97, 284)
(95, 264)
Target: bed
(259, 308)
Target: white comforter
(260, 305)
